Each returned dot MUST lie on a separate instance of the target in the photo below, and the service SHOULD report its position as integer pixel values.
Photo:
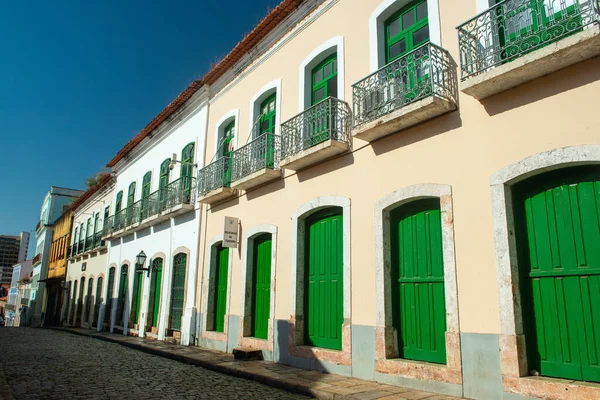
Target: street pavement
(47, 364)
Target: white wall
(167, 236)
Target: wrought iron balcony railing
(513, 28)
(428, 70)
(180, 191)
(80, 247)
(260, 153)
(328, 119)
(119, 220)
(98, 242)
(215, 175)
(133, 213)
(89, 243)
(73, 250)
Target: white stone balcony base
(177, 210)
(315, 154)
(217, 195)
(403, 118)
(553, 57)
(257, 178)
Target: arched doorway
(177, 291)
(154, 298)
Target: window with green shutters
(131, 195)
(557, 218)
(187, 168)
(418, 302)
(105, 219)
(177, 291)
(122, 298)
(146, 184)
(267, 115)
(109, 294)
(97, 300)
(154, 298)
(324, 79)
(406, 30)
(136, 298)
(88, 232)
(163, 181)
(261, 276)
(324, 258)
(119, 202)
(220, 287)
(96, 227)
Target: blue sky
(78, 79)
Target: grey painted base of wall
(449, 389)
(482, 378)
(233, 331)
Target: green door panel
(558, 230)
(262, 286)
(418, 302)
(109, 294)
(121, 299)
(97, 300)
(220, 292)
(154, 298)
(324, 310)
(136, 299)
(177, 291)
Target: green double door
(418, 302)
(154, 298)
(177, 291)
(324, 260)
(220, 287)
(261, 277)
(558, 233)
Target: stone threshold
(319, 385)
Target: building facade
(88, 256)
(55, 203)
(13, 249)
(17, 297)
(406, 212)
(154, 213)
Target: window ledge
(547, 387)
(217, 195)
(404, 118)
(257, 178)
(553, 57)
(314, 154)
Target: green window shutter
(131, 195)
(406, 30)
(109, 294)
(267, 115)
(164, 174)
(324, 79)
(177, 291)
(146, 184)
(187, 168)
(261, 276)
(119, 202)
(221, 274)
(558, 232)
(324, 261)
(98, 300)
(154, 298)
(228, 134)
(418, 302)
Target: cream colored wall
(462, 149)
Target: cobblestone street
(45, 364)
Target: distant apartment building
(13, 249)
(55, 203)
(18, 299)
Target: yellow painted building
(57, 269)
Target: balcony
(516, 41)
(176, 198)
(80, 247)
(319, 133)
(416, 87)
(256, 163)
(214, 181)
(89, 243)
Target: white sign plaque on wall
(230, 232)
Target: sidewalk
(311, 383)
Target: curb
(266, 380)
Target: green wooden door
(73, 317)
(98, 299)
(154, 298)
(558, 231)
(324, 309)
(267, 127)
(177, 291)
(136, 299)
(220, 287)
(88, 301)
(418, 304)
(324, 84)
(122, 298)
(225, 151)
(261, 307)
(109, 294)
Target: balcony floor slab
(405, 117)
(217, 195)
(314, 154)
(177, 210)
(553, 57)
(257, 178)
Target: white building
(17, 297)
(88, 257)
(154, 211)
